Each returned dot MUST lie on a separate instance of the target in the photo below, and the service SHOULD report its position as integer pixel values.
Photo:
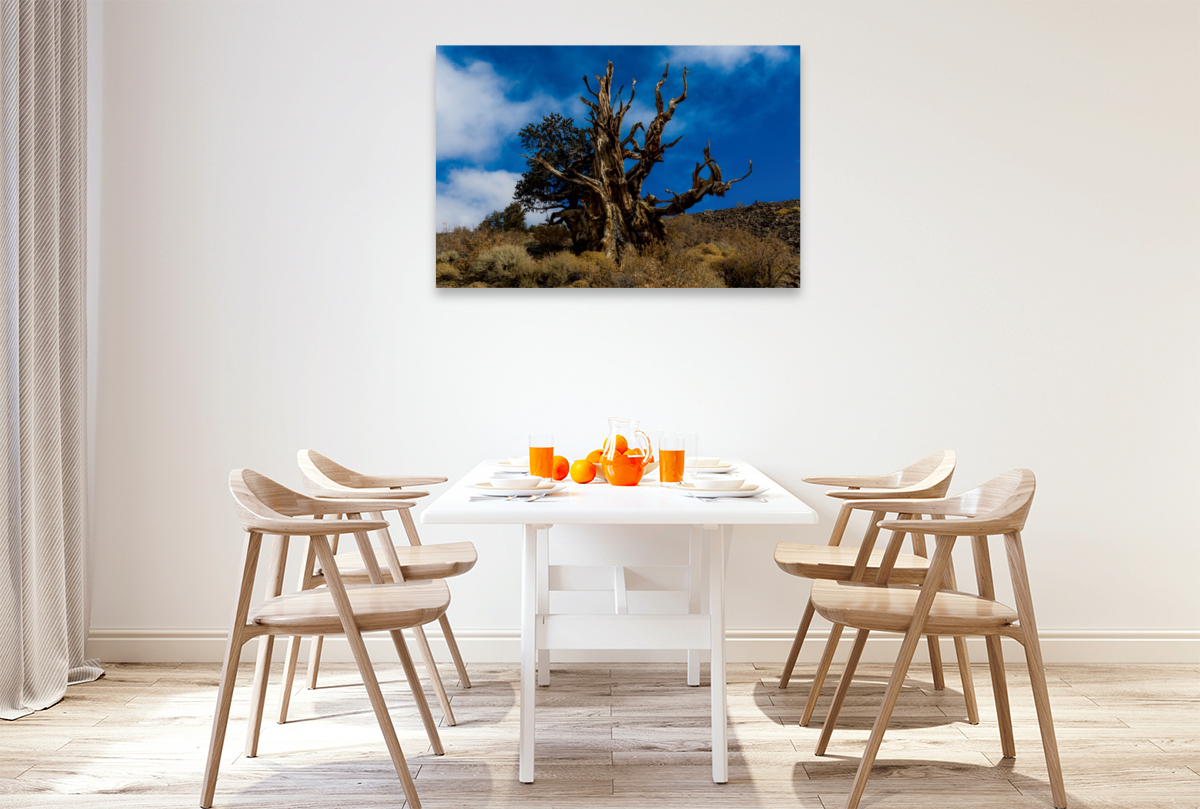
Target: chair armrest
(949, 528)
(855, 481)
(308, 528)
(878, 494)
(348, 505)
(915, 505)
(397, 481)
(360, 494)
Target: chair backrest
(935, 468)
(266, 507)
(928, 477)
(1003, 501)
(999, 506)
(324, 477)
(321, 472)
(260, 500)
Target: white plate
(509, 466)
(498, 489)
(708, 465)
(709, 470)
(747, 490)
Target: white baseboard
(742, 646)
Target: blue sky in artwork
(744, 100)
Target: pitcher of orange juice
(628, 453)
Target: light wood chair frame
(267, 509)
(326, 478)
(997, 508)
(929, 477)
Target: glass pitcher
(628, 453)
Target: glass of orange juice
(671, 449)
(541, 455)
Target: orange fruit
(560, 467)
(595, 455)
(583, 471)
(622, 445)
(634, 451)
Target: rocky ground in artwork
(780, 219)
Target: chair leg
(935, 647)
(414, 684)
(220, 722)
(367, 671)
(293, 650)
(258, 694)
(790, 663)
(860, 643)
(314, 661)
(1008, 742)
(968, 682)
(262, 666)
(464, 679)
(233, 651)
(987, 589)
(912, 638)
(1037, 669)
(434, 676)
(935, 662)
(895, 685)
(964, 658)
(835, 634)
(289, 676)
(835, 539)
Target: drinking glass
(672, 448)
(691, 453)
(541, 455)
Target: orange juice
(670, 465)
(624, 470)
(541, 461)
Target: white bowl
(723, 483)
(519, 461)
(518, 482)
(700, 463)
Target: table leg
(543, 600)
(716, 608)
(695, 565)
(529, 599)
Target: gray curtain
(43, 496)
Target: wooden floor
(610, 736)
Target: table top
(649, 503)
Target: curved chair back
(326, 477)
(928, 477)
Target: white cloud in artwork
(725, 57)
(470, 194)
(474, 113)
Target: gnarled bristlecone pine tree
(614, 214)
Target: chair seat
(889, 608)
(417, 562)
(376, 607)
(837, 563)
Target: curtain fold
(43, 494)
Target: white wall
(1001, 206)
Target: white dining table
(597, 503)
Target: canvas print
(630, 166)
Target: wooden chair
(928, 477)
(406, 563)
(998, 507)
(264, 507)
